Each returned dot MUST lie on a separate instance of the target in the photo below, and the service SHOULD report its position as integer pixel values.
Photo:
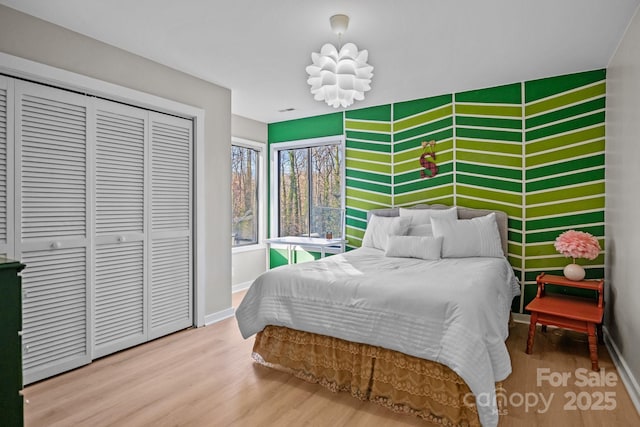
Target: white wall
(622, 317)
(247, 264)
(31, 38)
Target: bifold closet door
(52, 236)
(120, 251)
(171, 281)
(96, 199)
(6, 167)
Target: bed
(415, 320)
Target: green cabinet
(11, 402)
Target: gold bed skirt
(402, 383)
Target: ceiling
(418, 48)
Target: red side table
(569, 312)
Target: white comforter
(453, 311)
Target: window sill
(248, 248)
(336, 249)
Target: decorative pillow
(380, 227)
(423, 216)
(422, 247)
(469, 237)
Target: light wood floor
(205, 377)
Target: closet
(98, 205)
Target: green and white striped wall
(413, 122)
(564, 168)
(534, 150)
(369, 167)
(489, 167)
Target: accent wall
(533, 149)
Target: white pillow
(420, 230)
(422, 247)
(380, 227)
(469, 237)
(423, 216)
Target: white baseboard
(628, 379)
(521, 318)
(241, 286)
(212, 318)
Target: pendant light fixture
(339, 76)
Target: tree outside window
(244, 195)
(310, 191)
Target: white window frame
(273, 181)
(262, 193)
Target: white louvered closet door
(6, 167)
(120, 249)
(171, 299)
(52, 239)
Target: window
(246, 159)
(309, 188)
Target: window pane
(326, 206)
(310, 191)
(294, 192)
(244, 195)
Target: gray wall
(31, 38)
(246, 265)
(241, 127)
(623, 199)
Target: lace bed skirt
(402, 383)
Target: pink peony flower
(577, 244)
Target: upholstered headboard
(463, 213)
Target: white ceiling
(419, 48)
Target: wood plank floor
(205, 377)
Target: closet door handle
(122, 239)
(56, 245)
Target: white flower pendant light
(339, 77)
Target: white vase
(574, 272)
